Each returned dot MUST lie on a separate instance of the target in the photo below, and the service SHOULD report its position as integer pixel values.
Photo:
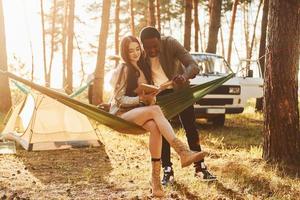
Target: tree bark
(132, 18)
(81, 60)
(254, 30)
(117, 24)
(69, 81)
(234, 7)
(5, 96)
(263, 36)
(262, 48)
(158, 15)
(246, 28)
(97, 95)
(48, 75)
(222, 42)
(196, 25)
(64, 41)
(188, 24)
(281, 126)
(214, 25)
(44, 42)
(151, 8)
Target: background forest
(59, 43)
(47, 27)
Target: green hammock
(24, 89)
(80, 90)
(171, 104)
(174, 103)
(77, 92)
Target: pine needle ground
(120, 168)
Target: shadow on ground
(183, 190)
(237, 133)
(68, 166)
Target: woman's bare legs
(143, 114)
(155, 145)
(155, 139)
(154, 121)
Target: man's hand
(180, 79)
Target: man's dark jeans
(187, 119)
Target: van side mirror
(250, 73)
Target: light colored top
(142, 78)
(158, 75)
(119, 83)
(175, 59)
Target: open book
(148, 89)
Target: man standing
(169, 60)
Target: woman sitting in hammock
(141, 109)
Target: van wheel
(218, 120)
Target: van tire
(219, 120)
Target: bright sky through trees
(23, 26)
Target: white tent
(42, 123)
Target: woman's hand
(148, 99)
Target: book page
(146, 88)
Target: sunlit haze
(23, 29)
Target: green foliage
(171, 10)
(59, 23)
(17, 65)
(227, 4)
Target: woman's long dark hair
(133, 74)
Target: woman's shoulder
(117, 73)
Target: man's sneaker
(168, 177)
(203, 173)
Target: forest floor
(120, 168)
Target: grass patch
(236, 158)
(120, 168)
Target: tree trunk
(254, 30)
(234, 7)
(188, 24)
(201, 37)
(151, 8)
(214, 25)
(132, 18)
(81, 60)
(158, 15)
(99, 71)
(69, 81)
(64, 41)
(204, 36)
(5, 96)
(222, 42)
(246, 29)
(48, 76)
(263, 36)
(32, 60)
(262, 48)
(281, 126)
(196, 25)
(117, 23)
(44, 42)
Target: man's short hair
(149, 32)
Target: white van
(231, 97)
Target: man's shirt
(158, 75)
